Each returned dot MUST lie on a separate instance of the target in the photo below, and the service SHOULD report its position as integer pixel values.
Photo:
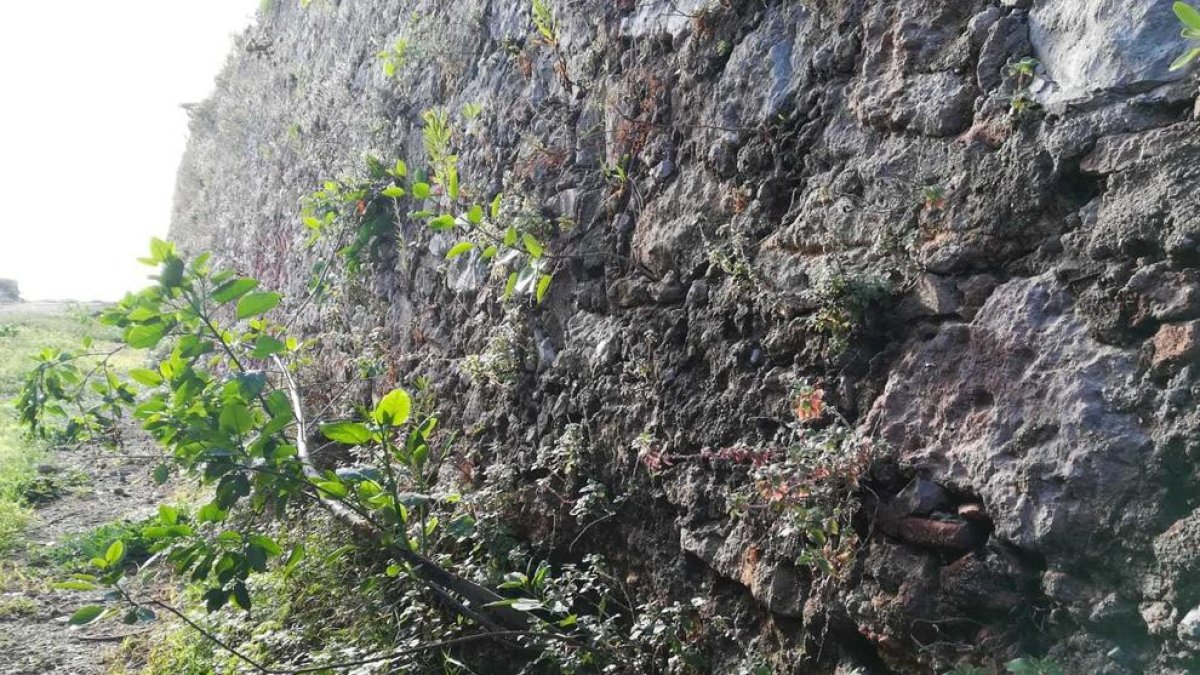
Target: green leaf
(145, 336)
(85, 615)
(420, 190)
(210, 513)
(350, 433)
(236, 419)
(115, 553)
(161, 251)
(511, 284)
(442, 223)
(74, 586)
(401, 169)
(266, 346)
(510, 236)
(532, 245)
(147, 377)
(241, 596)
(475, 215)
(496, 202)
(393, 570)
(266, 543)
(393, 409)
(459, 249)
(543, 285)
(233, 289)
(1187, 14)
(333, 487)
(215, 599)
(452, 183)
(1185, 58)
(394, 191)
(161, 473)
(255, 304)
(490, 252)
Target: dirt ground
(34, 635)
(41, 641)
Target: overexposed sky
(91, 132)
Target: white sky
(91, 132)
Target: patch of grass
(75, 551)
(13, 519)
(16, 607)
(26, 332)
(176, 650)
(17, 578)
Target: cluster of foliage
(219, 395)
(364, 215)
(1190, 18)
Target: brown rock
(1175, 344)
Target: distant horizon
(93, 134)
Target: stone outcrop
(1025, 288)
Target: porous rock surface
(1031, 372)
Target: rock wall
(1015, 255)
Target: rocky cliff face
(989, 265)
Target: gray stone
(1093, 45)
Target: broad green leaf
(532, 245)
(442, 222)
(490, 252)
(401, 169)
(161, 473)
(210, 513)
(115, 553)
(393, 409)
(452, 184)
(255, 304)
(459, 249)
(145, 376)
(215, 599)
(85, 615)
(393, 191)
(266, 543)
(1187, 14)
(420, 190)
(265, 346)
(496, 202)
(233, 289)
(350, 433)
(510, 236)
(542, 285)
(236, 419)
(475, 215)
(241, 596)
(161, 251)
(336, 488)
(145, 336)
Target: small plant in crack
(393, 58)
(1022, 71)
(1190, 18)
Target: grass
(75, 551)
(24, 333)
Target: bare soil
(38, 639)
